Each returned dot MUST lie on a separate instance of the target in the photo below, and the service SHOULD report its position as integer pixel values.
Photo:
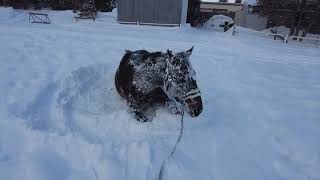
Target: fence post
(286, 38)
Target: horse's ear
(189, 52)
(169, 53)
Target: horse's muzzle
(194, 106)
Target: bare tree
(301, 15)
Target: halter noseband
(192, 94)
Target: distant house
(201, 10)
(195, 12)
(152, 12)
(243, 12)
(249, 16)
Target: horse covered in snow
(145, 79)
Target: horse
(145, 79)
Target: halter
(192, 94)
(187, 95)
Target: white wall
(184, 12)
(253, 21)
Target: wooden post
(286, 39)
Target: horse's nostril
(196, 112)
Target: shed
(153, 12)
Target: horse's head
(180, 82)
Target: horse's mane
(144, 54)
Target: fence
(39, 18)
(306, 41)
(303, 40)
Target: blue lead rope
(163, 166)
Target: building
(250, 17)
(200, 11)
(244, 13)
(195, 12)
(152, 12)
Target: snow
(284, 30)
(310, 40)
(60, 117)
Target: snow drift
(60, 117)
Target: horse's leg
(174, 106)
(137, 111)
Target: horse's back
(124, 74)
(126, 70)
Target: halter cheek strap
(188, 95)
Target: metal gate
(163, 12)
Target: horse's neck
(150, 76)
(160, 70)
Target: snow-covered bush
(87, 9)
(217, 22)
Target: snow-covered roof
(204, 5)
(217, 1)
(251, 2)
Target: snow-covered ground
(60, 117)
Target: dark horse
(148, 78)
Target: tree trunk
(298, 27)
(315, 16)
(293, 23)
(301, 14)
(314, 19)
(295, 18)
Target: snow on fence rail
(286, 38)
(303, 40)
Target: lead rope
(163, 166)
